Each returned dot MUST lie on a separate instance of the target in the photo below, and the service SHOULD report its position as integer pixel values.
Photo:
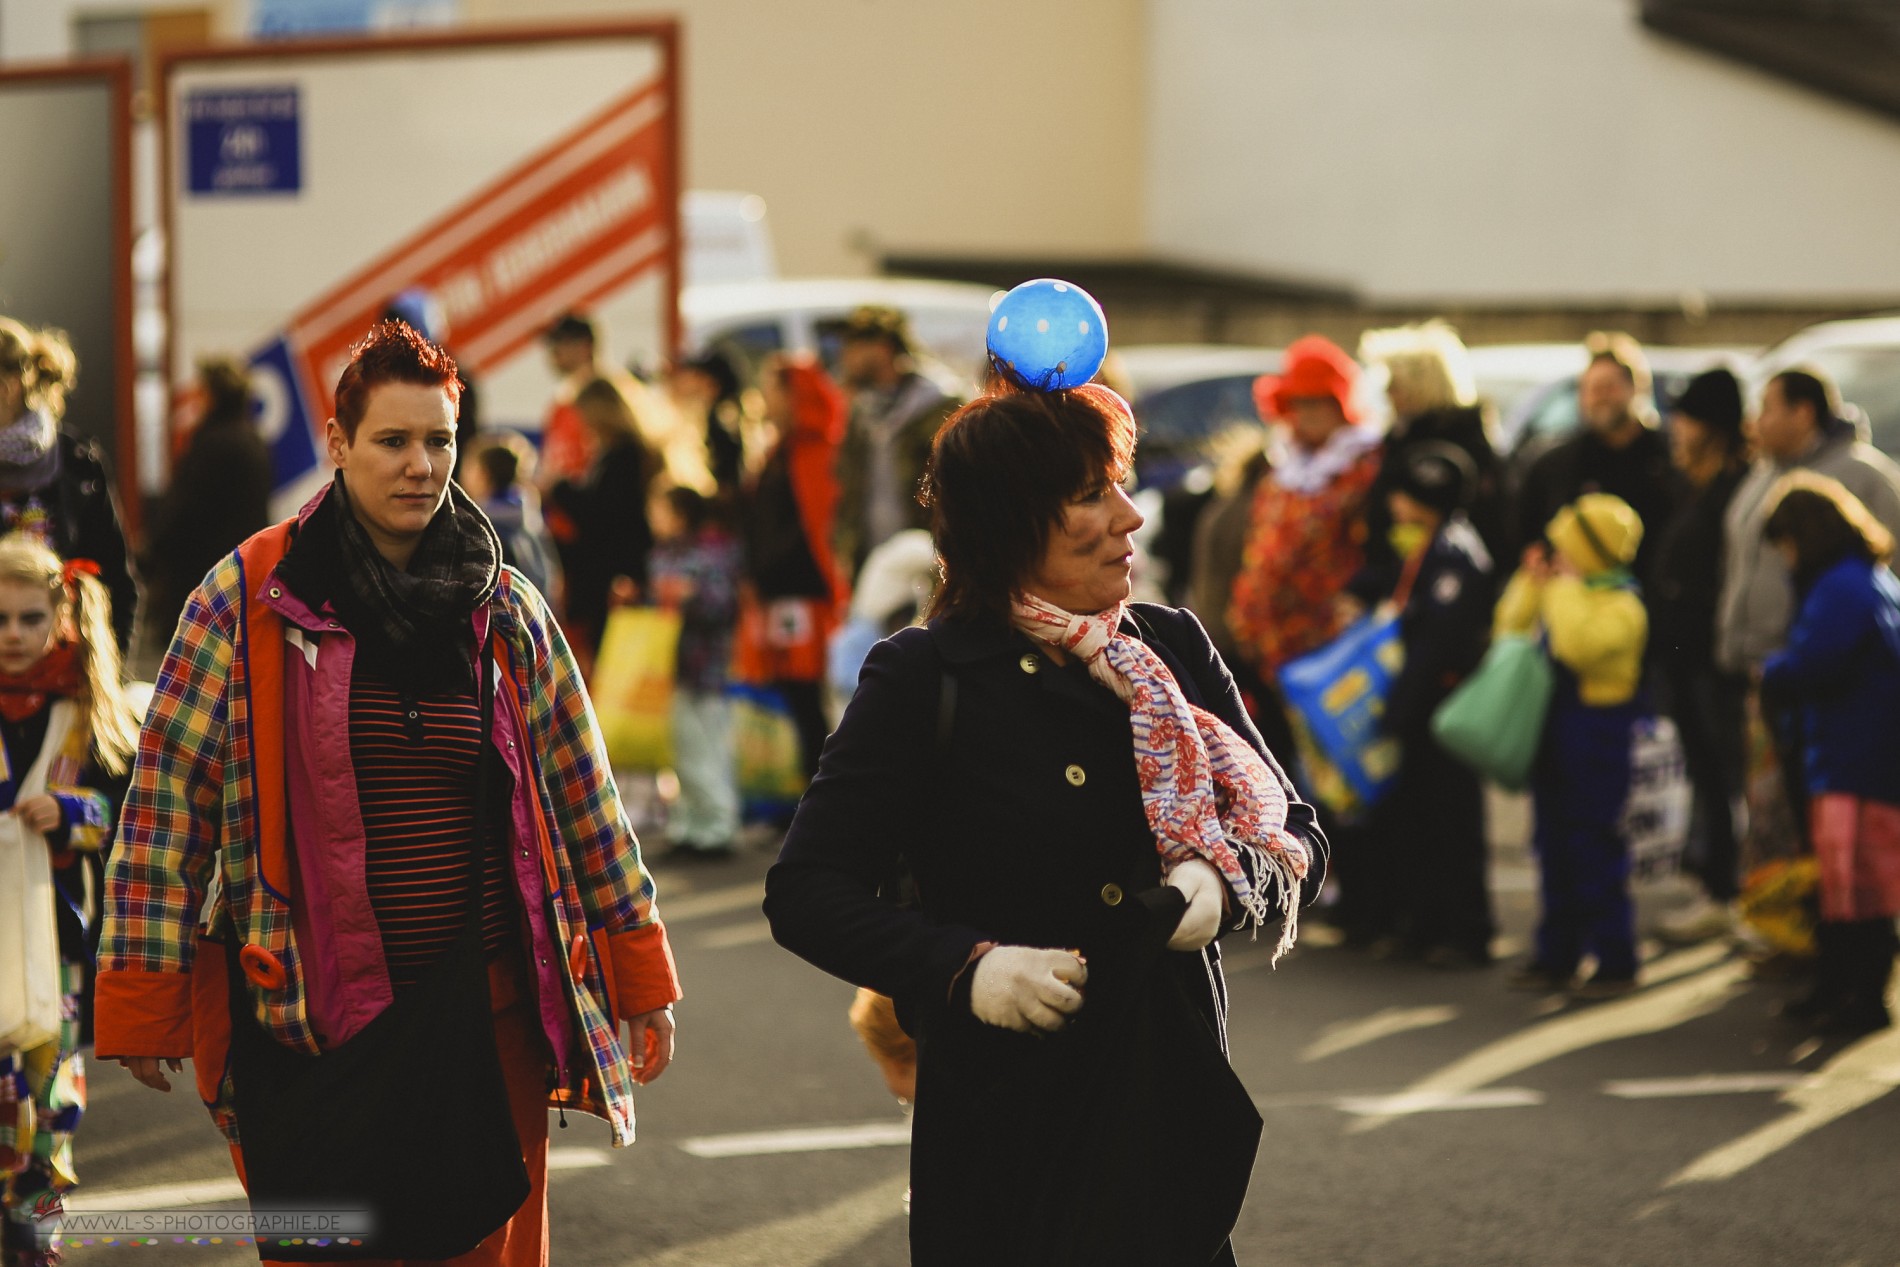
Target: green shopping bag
(1494, 721)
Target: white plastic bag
(29, 940)
(29, 934)
(1656, 818)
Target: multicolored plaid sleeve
(616, 891)
(168, 831)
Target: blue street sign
(243, 141)
(283, 415)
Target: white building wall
(1506, 150)
(875, 126)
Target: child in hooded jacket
(694, 570)
(1841, 669)
(66, 736)
(1582, 594)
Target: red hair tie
(77, 567)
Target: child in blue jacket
(1841, 669)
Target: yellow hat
(1596, 532)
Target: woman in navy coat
(1024, 760)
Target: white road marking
(737, 897)
(1409, 1102)
(1700, 1084)
(879, 1134)
(578, 1158)
(1653, 1009)
(1347, 1035)
(1862, 1073)
(751, 933)
(158, 1197)
(1398, 1103)
(166, 1196)
(1308, 1100)
(798, 1240)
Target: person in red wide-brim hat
(1304, 541)
(1313, 367)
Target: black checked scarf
(416, 615)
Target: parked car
(751, 320)
(1862, 357)
(1184, 395)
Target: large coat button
(1111, 895)
(1076, 776)
(1029, 664)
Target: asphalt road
(1412, 1117)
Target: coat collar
(962, 642)
(967, 641)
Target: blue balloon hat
(1048, 335)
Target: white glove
(1026, 989)
(1202, 886)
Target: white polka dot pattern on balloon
(1042, 327)
(1002, 323)
(1081, 327)
(1062, 288)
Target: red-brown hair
(1002, 472)
(392, 352)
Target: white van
(751, 320)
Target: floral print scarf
(1204, 789)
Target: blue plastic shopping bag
(1339, 694)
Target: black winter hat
(1439, 475)
(1714, 399)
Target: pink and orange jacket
(247, 745)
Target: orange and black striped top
(415, 763)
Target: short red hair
(392, 352)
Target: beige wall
(1001, 126)
(1507, 150)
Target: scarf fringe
(1279, 888)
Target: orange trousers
(523, 1240)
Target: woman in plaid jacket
(316, 675)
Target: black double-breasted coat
(1020, 819)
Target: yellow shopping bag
(1778, 904)
(633, 686)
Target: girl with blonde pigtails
(67, 733)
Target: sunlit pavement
(1412, 1116)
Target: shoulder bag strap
(478, 848)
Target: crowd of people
(451, 588)
(717, 499)
(1654, 557)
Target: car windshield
(1184, 416)
(1868, 376)
(750, 344)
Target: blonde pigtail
(114, 724)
